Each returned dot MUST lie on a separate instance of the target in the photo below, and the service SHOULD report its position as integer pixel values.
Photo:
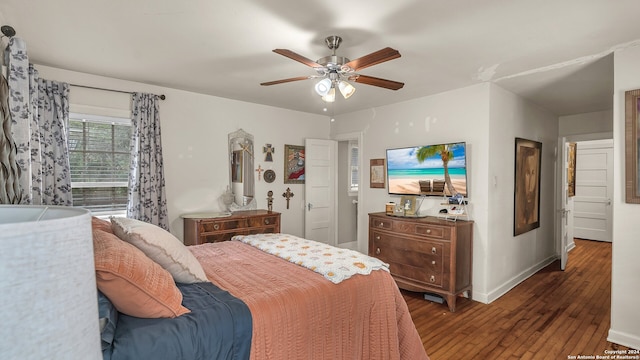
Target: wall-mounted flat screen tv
(430, 170)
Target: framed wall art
(294, 162)
(528, 161)
(377, 173)
(631, 140)
(571, 170)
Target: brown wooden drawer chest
(208, 230)
(425, 254)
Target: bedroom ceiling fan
(336, 71)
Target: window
(354, 176)
(99, 153)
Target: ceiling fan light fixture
(330, 96)
(323, 87)
(346, 89)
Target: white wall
(194, 142)
(625, 292)
(587, 123)
(488, 119)
(509, 259)
(459, 115)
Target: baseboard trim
(513, 282)
(624, 339)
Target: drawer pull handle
(428, 231)
(433, 262)
(266, 221)
(377, 251)
(378, 237)
(432, 278)
(433, 250)
(216, 226)
(381, 225)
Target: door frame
(559, 186)
(358, 136)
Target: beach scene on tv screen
(435, 170)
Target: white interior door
(594, 187)
(320, 190)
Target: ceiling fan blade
(285, 80)
(297, 57)
(374, 58)
(384, 83)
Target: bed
(260, 305)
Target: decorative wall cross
(287, 195)
(269, 151)
(259, 170)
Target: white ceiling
(554, 52)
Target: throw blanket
(219, 326)
(335, 264)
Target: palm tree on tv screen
(446, 153)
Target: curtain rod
(162, 97)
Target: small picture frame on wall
(377, 173)
(294, 164)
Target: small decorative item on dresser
(287, 195)
(389, 208)
(269, 200)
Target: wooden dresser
(202, 230)
(425, 254)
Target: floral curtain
(146, 197)
(10, 191)
(39, 114)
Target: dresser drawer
(220, 225)
(390, 248)
(262, 221)
(381, 223)
(412, 228)
(419, 260)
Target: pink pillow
(99, 224)
(135, 284)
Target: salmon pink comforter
(298, 314)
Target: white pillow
(162, 247)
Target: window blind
(99, 157)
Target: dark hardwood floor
(552, 315)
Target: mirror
(241, 177)
(632, 138)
